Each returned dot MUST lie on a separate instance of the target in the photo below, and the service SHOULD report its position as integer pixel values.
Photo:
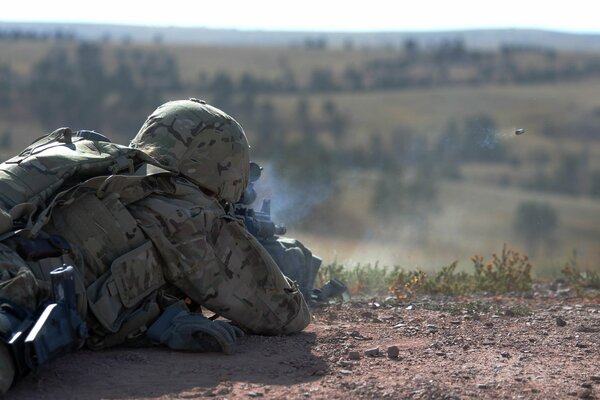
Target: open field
(473, 219)
(474, 215)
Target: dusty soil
(473, 348)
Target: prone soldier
(150, 230)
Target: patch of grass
(508, 272)
(577, 278)
(361, 278)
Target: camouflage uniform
(154, 230)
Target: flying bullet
(520, 131)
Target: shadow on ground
(156, 372)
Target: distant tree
(303, 119)
(535, 223)
(411, 48)
(447, 151)
(595, 184)
(322, 80)
(353, 79)
(315, 43)
(569, 178)
(6, 79)
(54, 89)
(6, 140)
(389, 199)
(222, 90)
(335, 121)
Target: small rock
(483, 386)
(581, 345)
(432, 327)
(585, 394)
(345, 372)
(560, 322)
(393, 352)
(255, 394)
(440, 353)
(410, 307)
(345, 364)
(306, 394)
(373, 352)
(455, 322)
(587, 329)
(223, 391)
(586, 385)
(505, 354)
(595, 378)
(354, 355)
(488, 325)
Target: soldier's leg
(243, 283)
(18, 287)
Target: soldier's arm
(217, 263)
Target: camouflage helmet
(200, 142)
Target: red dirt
(515, 349)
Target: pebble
(483, 386)
(586, 385)
(354, 355)
(560, 322)
(345, 372)
(393, 351)
(505, 354)
(373, 352)
(595, 378)
(255, 394)
(488, 324)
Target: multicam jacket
(138, 236)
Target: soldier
(150, 232)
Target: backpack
(54, 163)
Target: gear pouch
(132, 277)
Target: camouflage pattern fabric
(195, 246)
(201, 143)
(211, 258)
(17, 282)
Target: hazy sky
(332, 15)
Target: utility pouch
(132, 278)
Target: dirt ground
(541, 347)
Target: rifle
(260, 225)
(257, 222)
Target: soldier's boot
(7, 369)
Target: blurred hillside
(482, 39)
(405, 154)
